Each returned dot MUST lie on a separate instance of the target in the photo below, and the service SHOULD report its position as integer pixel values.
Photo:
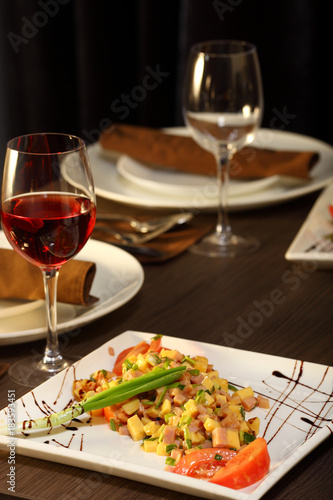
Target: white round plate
(119, 276)
(110, 184)
(9, 308)
(164, 180)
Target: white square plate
(311, 245)
(298, 419)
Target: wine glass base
(216, 246)
(30, 372)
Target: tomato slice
(203, 464)
(142, 347)
(155, 345)
(249, 466)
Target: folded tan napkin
(155, 147)
(21, 280)
(167, 245)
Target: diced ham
(195, 425)
(231, 421)
(169, 434)
(197, 379)
(177, 454)
(219, 437)
(249, 403)
(179, 397)
(123, 430)
(263, 402)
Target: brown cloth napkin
(154, 147)
(21, 280)
(167, 245)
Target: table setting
(128, 242)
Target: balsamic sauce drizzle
(299, 406)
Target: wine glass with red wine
(48, 212)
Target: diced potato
(191, 408)
(145, 420)
(151, 428)
(233, 439)
(244, 393)
(211, 424)
(201, 363)
(220, 399)
(208, 383)
(141, 362)
(166, 407)
(244, 426)
(97, 413)
(236, 409)
(132, 406)
(254, 425)
(152, 412)
(150, 446)
(223, 383)
(112, 383)
(161, 450)
(212, 374)
(197, 438)
(132, 359)
(209, 399)
(135, 428)
(158, 432)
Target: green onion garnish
(116, 394)
(170, 461)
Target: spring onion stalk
(158, 377)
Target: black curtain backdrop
(78, 65)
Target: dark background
(76, 66)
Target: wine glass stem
(52, 357)
(223, 229)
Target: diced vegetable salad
(200, 411)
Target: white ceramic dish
(10, 308)
(298, 420)
(119, 276)
(164, 180)
(310, 244)
(110, 184)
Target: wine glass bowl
(48, 213)
(222, 108)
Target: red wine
(48, 229)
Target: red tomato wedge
(203, 464)
(142, 347)
(249, 466)
(155, 345)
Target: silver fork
(147, 225)
(138, 239)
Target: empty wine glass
(222, 107)
(48, 212)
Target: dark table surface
(200, 299)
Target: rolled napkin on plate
(157, 148)
(21, 280)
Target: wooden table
(201, 298)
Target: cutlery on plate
(138, 239)
(147, 225)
